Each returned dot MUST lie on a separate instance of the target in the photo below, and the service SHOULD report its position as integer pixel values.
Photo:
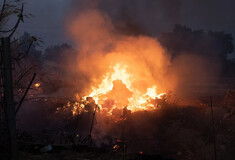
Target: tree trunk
(9, 97)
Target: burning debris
(116, 95)
(119, 87)
(116, 91)
(123, 71)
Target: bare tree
(7, 96)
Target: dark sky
(48, 20)
(154, 16)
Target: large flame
(117, 86)
(120, 71)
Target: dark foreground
(72, 155)
(174, 132)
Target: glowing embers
(37, 85)
(120, 89)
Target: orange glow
(37, 85)
(117, 86)
(121, 71)
(116, 147)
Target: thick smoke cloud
(156, 16)
(101, 47)
(153, 16)
(95, 28)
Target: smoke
(102, 44)
(101, 47)
(195, 75)
(153, 16)
(109, 31)
(104, 39)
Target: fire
(121, 71)
(37, 85)
(117, 86)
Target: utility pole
(9, 97)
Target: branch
(10, 30)
(18, 21)
(22, 75)
(3, 8)
(21, 101)
(18, 58)
(20, 18)
(27, 51)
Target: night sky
(155, 16)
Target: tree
(7, 96)
(209, 44)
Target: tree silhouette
(10, 8)
(209, 44)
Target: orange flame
(37, 85)
(132, 66)
(124, 93)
